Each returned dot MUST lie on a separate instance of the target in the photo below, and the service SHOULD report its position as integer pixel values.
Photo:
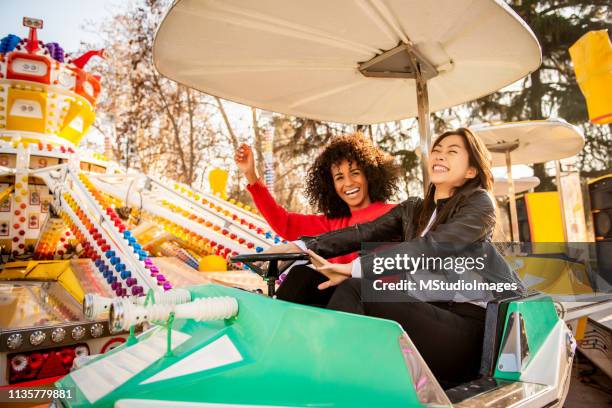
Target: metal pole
(424, 126)
(560, 192)
(127, 153)
(512, 198)
(581, 309)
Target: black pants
(448, 335)
(300, 286)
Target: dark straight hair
(479, 158)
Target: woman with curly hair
(348, 183)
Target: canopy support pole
(561, 203)
(512, 199)
(424, 126)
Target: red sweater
(291, 226)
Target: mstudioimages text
(411, 264)
(442, 285)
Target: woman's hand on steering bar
(287, 248)
(336, 273)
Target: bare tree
(159, 126)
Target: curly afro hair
(379, 168)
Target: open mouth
(352, 192)
(438, 168)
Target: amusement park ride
(71, 222)
(135, 242)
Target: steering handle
(272, 273)
(294, 256)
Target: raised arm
(288, 225)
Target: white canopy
(535, 141)
(501, 187)
(306, 58)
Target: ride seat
(495, 319)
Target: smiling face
(351, 184)
(449, 165)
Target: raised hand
(245, 161)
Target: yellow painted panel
(6, 192)
(77, 121)
(17, 264)
(14, 271)
(581, 328)
(592, 57)
(545, 221)
(26, 110)
(70, 282)
(553, 276)
(59, 271)
(213, 263)
(45, 270)
(595, 180)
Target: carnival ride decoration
(561, 270)
(543, 219)
(529, 142)
(307, 59)
(268, 156)
(42, 328)
(66, 225)
(217, 179)
(592, 57)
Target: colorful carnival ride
(74, 226)
(307, 59)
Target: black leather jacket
(472, 220)
(470, 224)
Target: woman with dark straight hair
(458, 209)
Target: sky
(64, 20)
(70, 22)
